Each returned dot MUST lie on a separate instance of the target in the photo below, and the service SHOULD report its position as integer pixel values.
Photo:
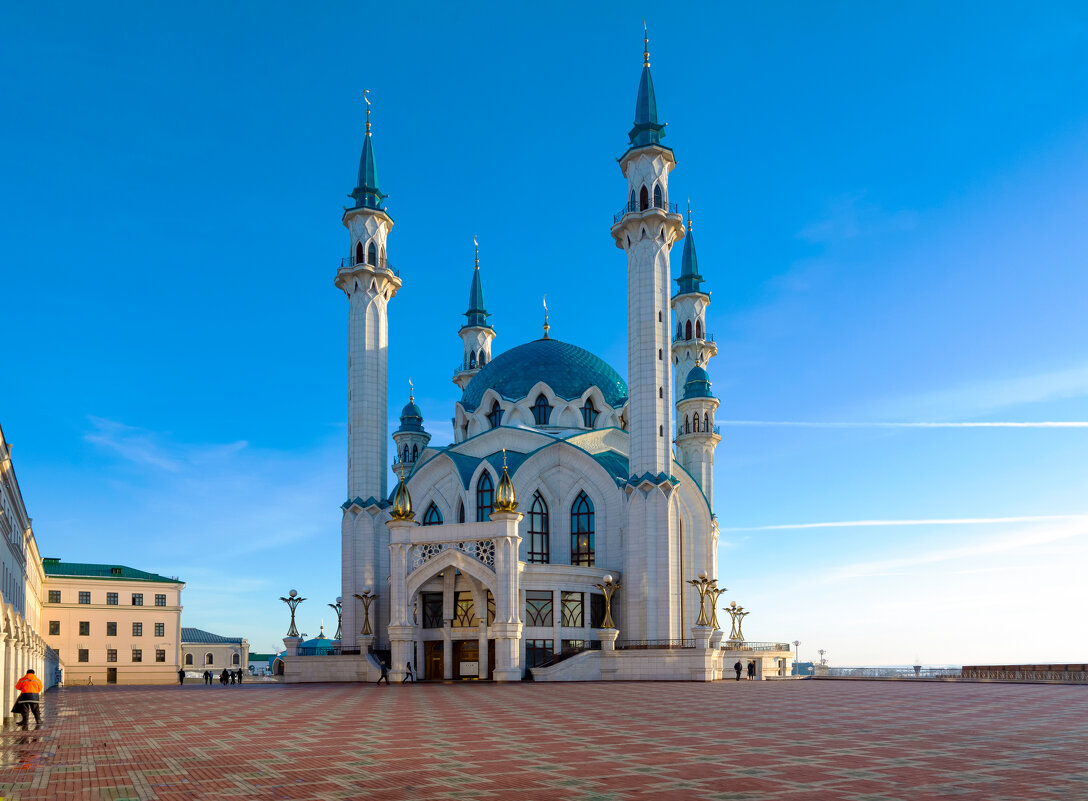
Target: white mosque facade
(490, 554)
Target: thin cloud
(815, 424)
(936, 521)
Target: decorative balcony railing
(703, 338)
(382, 264)
(736, 645)
(480, 550)
(334, 650)
(634, 208)
(646, 645)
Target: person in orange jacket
(30, 698)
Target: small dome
(567, 369)
(411, 418)
(697, 384)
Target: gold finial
(367, 99)
(646, 43)
(546, 326)
(477, 244)
(402, 503)
(689, 215)
(505, 500)
(411, 391)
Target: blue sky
(889, 203)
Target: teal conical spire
(366, 192)
(689, 280)
(648, 130)
(477, 313)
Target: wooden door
(433, 667)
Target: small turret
(691, 344)
(696, 434)
(476, 334)
(410, 438)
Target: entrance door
(111, 675)
(490, 660)
(466, 659)
(433, 668)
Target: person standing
(385, 674)
(30, 698)
(181, 676)
(239, 675)
(232, 677)
(408, 675)
(736, 667)
(751, 670)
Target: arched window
(460, 512)
(538, 531)
(695, 422)
(706, 422)
(589, 413)
(687, 424)
(415, 452)
(658, 201)
(207, 659)
(372, 254)
(687, 330)
(382, 257)
(495, 417)
(482, 360)
(358, 253)
(541, 410)
(679, 330)
(236, 660)
(485, 497)
(405, 458)
(698, 329)
(643, 199)
(472, 360)
(581, 531)
(631, 203)
(188, 659)
(433, 517)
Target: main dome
(567, 369)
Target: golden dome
(402, 503)
(505, 500)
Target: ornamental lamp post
(704, 585)
(797, 652)
(292, 602)
(715, 593)
(609, 587)
(339, 607)
(367, 598)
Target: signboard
(470, 668)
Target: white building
(201, 650)
(486, 559)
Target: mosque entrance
(433, 665)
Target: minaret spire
(366, 192)
(646, 44)
(476, 334)
(648, 130)
(546, 326)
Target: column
(447, 649)
(481, 640)
(507, 628)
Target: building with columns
(490, 554)
(22, 645)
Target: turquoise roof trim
(648, 130)
(697, 384)
(411, 418)
(55, 567)
(567, 369)
(689, 280)
(190, 635)
(477, 313)
(366, 192)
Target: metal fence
(334, 650)
(645, 645)
(910, 672)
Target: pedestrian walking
(90, 681)
(223, 677)
(207, 677)
(385, 674)
(737, 668)
(408, 675)
(29, 700)
(181, 676)
(232, 677)
(751, 670)
(239, 675)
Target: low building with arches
(201, 650)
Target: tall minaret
(370, 283)
(476, 334)
(646, 230)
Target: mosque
(490, 554)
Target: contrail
(803, 424)
(939, 521)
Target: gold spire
(367, 99)
(505, 500)
(402, 503)
(411, 391)
(689, 215)
(546, 326)
(477, 244)
(646, 44)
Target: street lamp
(738, 614)
(797, 653)
(703, 585)
(608, 588)
(292, 602)
(339, 615)
(367, 598)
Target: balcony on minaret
(635, 207)
(351, 262)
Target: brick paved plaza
(760, 740)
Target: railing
(335, 650)
(630, 208)
(562, 656)
(734, 645)
(351, 261)
(681, 432)
(646, 645)
(703, 338)
(922, 672)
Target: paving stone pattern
(856, 740)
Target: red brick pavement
(591, 742)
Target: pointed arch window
(687, 330)
(358, 253)
(643, 199)
(460, 512)
(494, 417)
(485, 497)
(687, 424)
(582, 550)
(679, 330)
(482, 360)
(538, 531)
(658, 200)
(405, 458)
(372, 254)
(472, 360)
(432, 517)
(698, 329)
(541, 410)
(632, 203)
(706, 422)
(415, 452)
(589, 413)
(381, 257)
(695, 422)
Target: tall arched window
(541, 410)
(581, 532)
(698, 329)
(687, 330)
(687, 424)
(695, 422)
(631, 203)
(372, 254)
(358, 252)
(415, 452)
(589, 413)
(643, 199)
(472, 360)
(460, 512)
(679, 330)
(188, 659)
(538, 531)
(382, 257)
(658, 200)
(706, 422)
(208, 659)
(405, 459)
(236, 659)
(494, 417)
(485, 497)
(482, 360)
(432, 517)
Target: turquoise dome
(318, 645)
(697, 384)
(411, 418)
(567, 369)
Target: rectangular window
(84, 597)
(432, 610)
(538, 609)
(54, 596)
(160, 655)
(84, 628)
(84, 656)
(464, 611)
(574, 645)
(596, 610)
(137, 629)
(160, 600)
(538, 651)
(137, 599)
(54, 627)
(111, 629)
(111, 599)
(137, 655)
(111, 654)
(160, 629)
(573, 610)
